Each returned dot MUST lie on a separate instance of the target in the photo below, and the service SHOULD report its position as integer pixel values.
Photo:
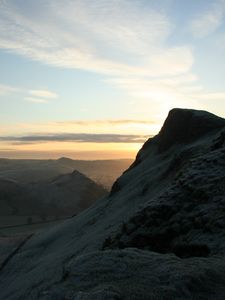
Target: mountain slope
(14, 198)
(103, 172)
(160, 234)
(65, 195)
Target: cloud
(211, 96)
(127, 41)
(6, 149)
(43, 94)
(6, 89)
(36, 100)
(163, 93)
(209, 20)
(104, 122)
(40, 96)
(115, 126)
(37, 96)
(76, 137)
(118, 37)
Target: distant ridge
(65, 195)
(103, 172)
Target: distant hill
(103, 172)
(15, 199)
(65, 195)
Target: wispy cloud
(209, 20)
(43, 94)
(75, 137)
(104, 122)
(40, 96)
(164, 93)
(6, 89)
(109, 37)
(115, 126)
(37, 96)
(211, 96)
(127, 41)
(36, 100)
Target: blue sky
(116, 66)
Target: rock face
(160, 234)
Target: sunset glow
(99, 77)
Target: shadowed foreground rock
(160, 234)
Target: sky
(94, 79)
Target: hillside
(103, 172)
(160, 234)
(65, 195)
(15, 199)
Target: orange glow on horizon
(84, 155)
(84, 151)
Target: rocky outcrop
(186, 126)
(191, 211)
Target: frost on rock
(136, 274)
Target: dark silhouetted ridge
(182, 126)
(64, 159)
(187, 125)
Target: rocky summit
(159, 234)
